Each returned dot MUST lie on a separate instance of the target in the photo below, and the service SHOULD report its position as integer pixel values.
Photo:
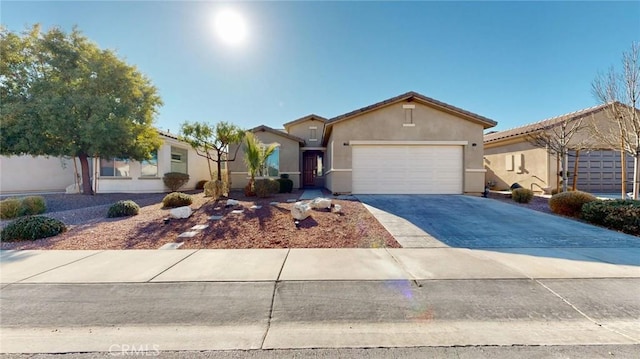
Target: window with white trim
(114, 167)
(179, 160)
(149, 168)
(271, 167)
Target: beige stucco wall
(540, 168)
(289, 160)
(303, 131)
(386, 124)
(530, 166)
(20, 174)
(196, 167)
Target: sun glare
(230, 27)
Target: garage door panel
(407, 169)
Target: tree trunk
(557, 169)
(623, 170)
(636, 176)
(210, 174)
(575, 170)
(219, 165)
(86, 177)
(565, 164)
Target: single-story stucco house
(407, 144)
(510, 158)
(22, 174)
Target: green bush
(175, 180)
(31, 228)
(10, 208)
(522, 195)
(570, 203)
(622, 215)
(32, 205)
(266, 187)
(200, 184)
(123, 209)
(176, 199)
(215, 189)
(286, 185)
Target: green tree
(63, 96)
(255, 155)
(212, 142)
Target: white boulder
(337, 208)
(300, 210)
(321, 203)
(232, 202)
(180, 212)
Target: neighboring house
(407, 144)
(511, 158)
(21, 174)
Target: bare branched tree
(622, 91)
(558, 139)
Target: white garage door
(407, 169)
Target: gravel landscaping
(270, 226)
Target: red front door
(310, 161)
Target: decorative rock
(199, 227)
(215, 218)
(218, 208)
(72, 189)
(256, 207)
(320, 203)
(337, 208)
(187, 234)
(300, 210)
(237, 211)
(181, 212)
(274, 203)
(291, 200)
(172, 245)
(232, 202)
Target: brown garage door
(599, 171)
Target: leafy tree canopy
(63, 96)
(212, 142)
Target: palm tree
(255, 156)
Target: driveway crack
(273, 299)
(585, 315)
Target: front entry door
(310, 161)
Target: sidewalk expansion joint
(273, 299)
(171, 266)
(404, 268)
(601, 325)
(50, 269)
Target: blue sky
(514, 62)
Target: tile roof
(305, 118)
(411, 95)
(541, 125)
(282, 133)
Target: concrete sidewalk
(251, 265)
(88, 301)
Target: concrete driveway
(476, 222)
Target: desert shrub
(622, 215)
(570, 203)
(175, 180)
(286, 185)
(200, 184)
(123, 209)
(266, 187)
(32, 228)
(215, 189)
(176, 199)
(10, 208)
(522, 195)
(32, 205)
